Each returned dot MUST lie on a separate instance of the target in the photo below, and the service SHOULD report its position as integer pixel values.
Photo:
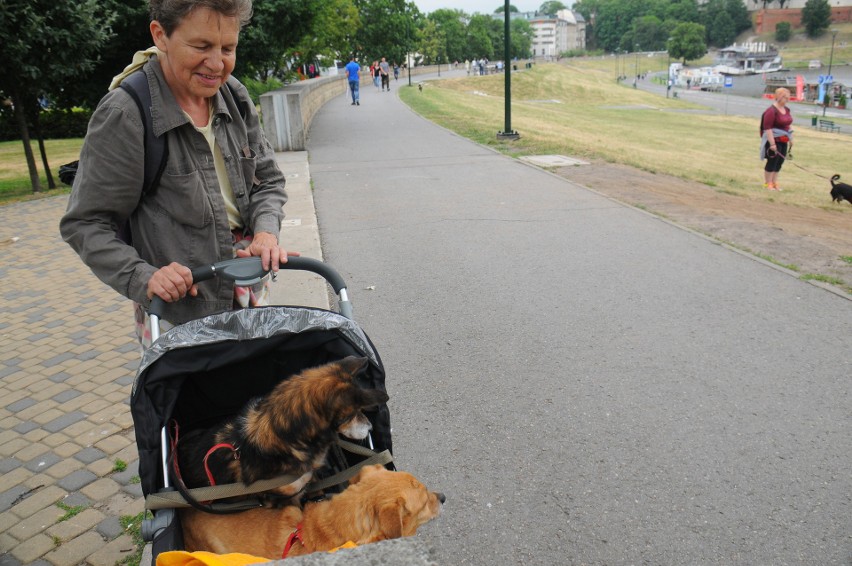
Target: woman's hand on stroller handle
(265, 246)
(172, 283)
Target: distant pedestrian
(395, 71)
(353, 75)
(467, 66)
(384, 72)
(776, 137)
(376, 73)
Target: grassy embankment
(575, 108)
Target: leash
(190, 497)
(291, 540)
(790, 159)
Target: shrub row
(55, 124)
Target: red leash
(231, 447)
(291, 540)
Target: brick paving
(68, 356)
(67, 360)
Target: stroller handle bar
(246, 271)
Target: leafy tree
(332, 32)
(432, 42)
(521, 38)
(451, 23)
(502, 8)
(816, 17)
(683, 11)
(479, 42)
(550, 7)
(783, 31)
(385, 26)
(131, 33)
(687, 42)
(649, 33)
(46, 41)
(723, 32)
(739, 15)
(268, 43)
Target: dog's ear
(364, 472)
(390, 519)
(366, 398)
(353, 365)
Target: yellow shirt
(234, 219)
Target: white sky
(481, 6)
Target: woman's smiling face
(200, 54)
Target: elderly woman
(220, 194)
(776, 137)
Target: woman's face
(200, 54)
(782, 98)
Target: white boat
(748, 59)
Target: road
(743, 97)
(587, 383)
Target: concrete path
(587, 383)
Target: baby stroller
(207, 369)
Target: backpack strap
(156, 148)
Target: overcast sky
(481, 6)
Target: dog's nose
(441, 498)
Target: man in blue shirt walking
(353, 74)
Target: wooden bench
(828, 125)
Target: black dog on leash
(840, 191)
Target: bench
(828, 125)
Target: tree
(268, 43)
(451, 23)
(384, 30)
(723, 32)
(479, 42)
(46, 42)
(550, 7)
(687, 42)
(521, 36)
(816, 17)
(331, 33)
(502, 9)
(432, 42)
(130, 33)
(783, 32)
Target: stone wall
(766, 20)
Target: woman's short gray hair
(171, 12)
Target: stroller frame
(188, 371)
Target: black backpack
(156, 148)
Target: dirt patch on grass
(810, 241)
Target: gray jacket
(183, 219)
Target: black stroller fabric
(207, 369)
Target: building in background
(554, 35)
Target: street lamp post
(830, 61)
(508, 133)
(408, 45)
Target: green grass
(597, 119)
(119, 466)
(69, 511)
(132, 525)
(846, 258)
(14, 174)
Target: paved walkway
(68, 357)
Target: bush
(783, 32)
(55, 124)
